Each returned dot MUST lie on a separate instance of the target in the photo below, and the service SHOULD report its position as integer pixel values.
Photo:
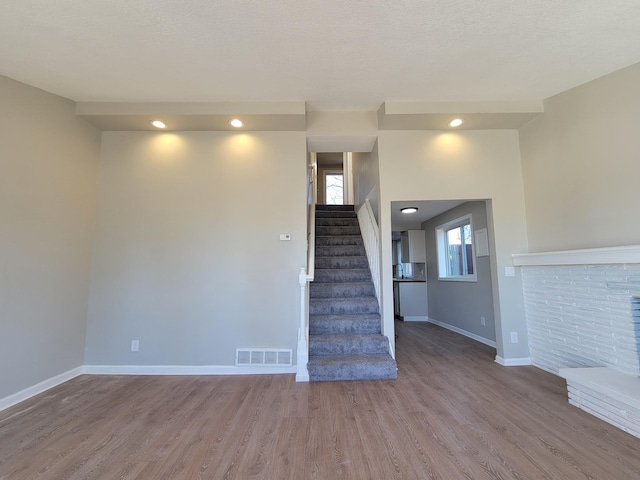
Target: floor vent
(266, 357)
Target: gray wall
(460, 304)
(48, 160)
(581, 166)
(187, 256)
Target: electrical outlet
(514, 337)
(483, 321)
(285, 237)
(135, 345)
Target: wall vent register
(266, 357)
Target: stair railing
(371, 240)
(306, 275)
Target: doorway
(458, 299)
(335, 178)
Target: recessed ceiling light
(456, 122)
(158, 124)
(237, 123)
(409, 210)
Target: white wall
(432, 165)
(48, 159)
(461, 304)
(187, 257)
(581, 166)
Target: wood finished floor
(452, 414)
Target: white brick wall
(607, 394)
(581, 316)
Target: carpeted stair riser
(340, 250)
(344, 324)
(350, 367)
(334, 208)
(327, 214)
(341, 241)
(349, 344)
(341, 290)
(330, 275)
(337, 222)
(342, 262)
(327, 240)
(329, 230)
(343, 306)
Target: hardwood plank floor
(452, 414)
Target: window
(456, 258)
(334, 191)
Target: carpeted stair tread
(342, 240)
(324, 368)
(342, 275)
(337, 230)
(349, 344)
(343, 306)
(341, 290)
(337, 221)
(344, 261)
(344, 324)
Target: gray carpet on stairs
(345, 342)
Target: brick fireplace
(583, 318)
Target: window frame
(444, 273)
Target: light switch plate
(509, 271)
(285, 237)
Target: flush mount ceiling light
(158, 124)
(236, 122)
(409, 209)
(456, 122)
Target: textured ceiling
(333, 54)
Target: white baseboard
(513, 362)
(184, 370)
(43, 386)
(470, 335)
(415, 318)
(302, 377)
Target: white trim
(184, 370)
(588, 256)
(459, 278)
(415, 318)
(441, 250)
(38, 388)
(470, 335)
(513, 362)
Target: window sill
(466, 278)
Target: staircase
(345, 342)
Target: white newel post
(302, 374)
